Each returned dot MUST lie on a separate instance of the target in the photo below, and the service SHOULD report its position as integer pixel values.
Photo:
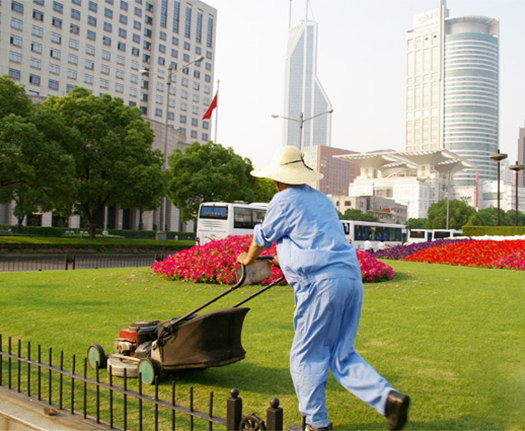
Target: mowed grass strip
(451, 337)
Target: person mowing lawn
(322, 268)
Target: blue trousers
(326, 319)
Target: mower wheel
(148, 370)
(96, 356)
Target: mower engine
(134, 340)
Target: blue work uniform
(322, 268)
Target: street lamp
(516, 168)
(301, 122)
(498, 157)
(161, 233)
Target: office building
(338, 174)
(105, 46)
(304, 96)
(452, 89)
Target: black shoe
(397, 410)
(309, 428)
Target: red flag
(213, 105)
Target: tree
(489, 217)
(417, 223)
(208, 172)
(352, 214)
(459, 214)
(114, 160)
(34, 169)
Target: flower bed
(508, 254)
(215, 262)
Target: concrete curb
(19, 412)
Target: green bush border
(493, 230)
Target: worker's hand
(242, 258)
(275, 262)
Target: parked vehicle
(358, 232)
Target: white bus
(424, 235)
(217, 220)
(358, 232)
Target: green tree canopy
(489, 217)
(459, 214)
(114, 160)
(210, 172)
(417, 223)
(35, 171)
(354, 214)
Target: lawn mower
(211, 339)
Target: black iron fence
(47, 262)
(119, 407)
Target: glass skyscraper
(452, 89)
(304, 95)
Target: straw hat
(288, 167)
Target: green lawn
(451, 337)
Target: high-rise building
(306, 104)
(106, 45)
(521, 156)
(452, 89)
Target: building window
(88, 79)
(17, 7)
(34, 79)
(194, 122)
(35, 63)
(36, 47)
(158, 112)
(56, 22)
(175, 41)
(122, 33)
(209, 35)
(138, 12)
(121, 46)
(53, 84)
(193, 134)
(108, 27)
(38, 15)
(14, 74)
(91, 35)
(56, 38)
(174, 53)
(134, 64)
(55, 53)
(119, 88)
(104, 83)
(182, 119)
(106, 40)
(73, 59)
(69, 88)
(133, 91)
(124, 5)
(73, 43)
(198, 30)
(123, 19)
(89, 64)
(37, 31)
(147, 32)
(54, 68)
(121, 60)
(104, 69)
(134, 78)
(72, 74)
(17, 24)
(77, 2)
(108, 12)
(75, 29)
(137, 25)
(92, 20)
(135, 51)
(90, 49)
(161, 61)
(187, 26)
(93, 6)
(136, 38)
(58, 7)
(162, 48)
(119, 74)
(15, 57)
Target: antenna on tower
(290, 15)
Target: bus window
(242, 218)
(213, 212)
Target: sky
(361, 66)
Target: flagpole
(217, 109)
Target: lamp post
(498, 157)
(301, 122)
(516, 168)
(161, 233)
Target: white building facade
(50, 46)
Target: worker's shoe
(397, 410)
(309, 428)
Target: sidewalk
(18, 412)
